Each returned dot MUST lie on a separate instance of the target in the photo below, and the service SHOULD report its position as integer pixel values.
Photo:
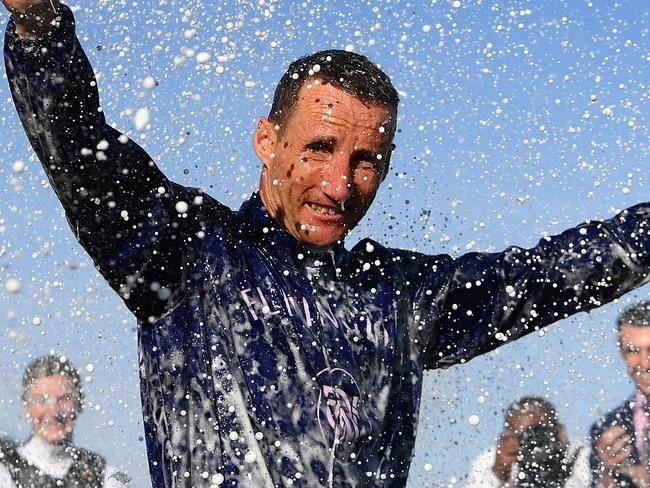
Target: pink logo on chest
(338, 403)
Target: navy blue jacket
(622, 416)
(264, 363)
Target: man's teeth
(323, 210)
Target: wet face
(635, 348)
(51, 406)
(321, 175)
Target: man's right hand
(507, 450)
(614, 448)
(33, 18)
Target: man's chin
(62, 442)
(320, 243)
(643, 387)
(58, 437)
(320, 236)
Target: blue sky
(518, 119)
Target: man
(53, 398)
(500, 466)
(620, 455)
(270, 354)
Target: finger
(615, 431)
(616, 443)
(621, 442)
(619, 446)
(613, 434)
(620, 456)
(616, 453)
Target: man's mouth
(52, 423)
(324, 210)
(642, 375)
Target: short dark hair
(351, 72)
(533, 404)
(636, 315)
(52, 365)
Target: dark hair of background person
(351, 72)
(636, 315)
(52, 365)
(532, 404)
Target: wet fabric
(263, 362)
(86, 471)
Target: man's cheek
(510, 445)
(34, 413)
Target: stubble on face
(327, 164)
(635, 349)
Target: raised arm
(138, 227)
(468, 306)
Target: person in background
(531, 421)
(53, 398)
(619, 439)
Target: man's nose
(337, 181)
(48, 411)
(645, 360)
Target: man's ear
(265, 141)
(389, 153)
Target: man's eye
(320, 147)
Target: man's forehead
(635, 336)
(329, 96)
(54, 382)
(331, 111)
(524, 418)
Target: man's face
(635, 348)
(322, 174)
(52, 408)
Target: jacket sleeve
(5, 478)
(580, 476)
(468, 306)
(481, 474)
(595, 466)
(138, 227)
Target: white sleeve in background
(113, 478)
(581, 475)
(5, 478)
(481, 474)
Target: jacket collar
(282, 246)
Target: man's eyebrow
(321, 141)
